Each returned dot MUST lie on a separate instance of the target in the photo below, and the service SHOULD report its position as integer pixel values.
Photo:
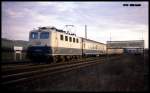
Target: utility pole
(142, 35)
(85, 31)
(110, 36)
(143, 44)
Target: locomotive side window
(34, 35)
(96, 47)
(61, 37)
(73, 39)
(44, 35)
(70, 39)
(77, 41)
(66, 38)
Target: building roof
(126, 41)
(92, 40)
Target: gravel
(125, 73)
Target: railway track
(15, 62)
(32, 72)
(13, 67)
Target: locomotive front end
(40, 44)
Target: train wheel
(55, 59)
(58, 58)
(70, 57)
(50, 60)
(73, 57)
(76, 58)
(62, 58)
(79, 57)
(66, 58)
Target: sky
(105, 20)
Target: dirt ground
(118, 73)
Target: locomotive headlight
(38, 43)
(46, 44)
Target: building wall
(133, 50)
(131, 47)
(115, 51)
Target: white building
(133, 47)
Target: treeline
(8, 45)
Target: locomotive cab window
(73, 39)
(70, 39)
(61, 37)
(44, 35)
(66, 38)
(34, 35)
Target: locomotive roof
(55, 29)
(62, 31)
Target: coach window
(70, 39)
(77, 41)
(66, 38)
(61, 37)
(96, 47)
(73, 39)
